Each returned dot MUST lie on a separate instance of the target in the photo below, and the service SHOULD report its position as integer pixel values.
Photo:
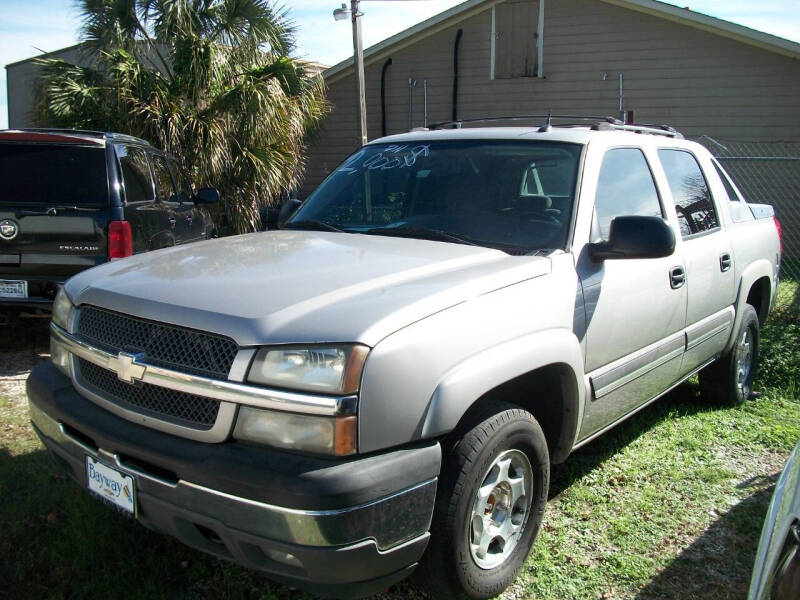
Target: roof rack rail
(597, 123)
(106, 135)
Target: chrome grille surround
(177, 348)
(170, 405)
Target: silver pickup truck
(381, 386)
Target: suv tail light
(780, 233)
(120, 239)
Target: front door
(635, 308)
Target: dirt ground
(23, 344)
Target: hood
(301, 286)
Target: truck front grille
(177, 348)
(162, 403)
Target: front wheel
(489, 507)
(729, 379)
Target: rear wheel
(489, 507)
(729, 379)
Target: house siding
(697, 81)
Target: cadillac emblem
(8, 229)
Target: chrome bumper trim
(224, 391)
(390, 521)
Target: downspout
(455, 74)
(383, 95)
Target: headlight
(325, 369)
(304, 433)
(62, 310)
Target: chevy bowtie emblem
(127, 370)
(8, 229)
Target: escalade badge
(126, 367)
(8, 229)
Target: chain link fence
(767, 173)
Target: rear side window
(53, 175)
(625, 187)
(696, 213)
(135, 174)
(732, 195)
(164, 190)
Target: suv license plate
(13, 289)
(111, 485)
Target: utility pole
(358, 54)
(358, 63)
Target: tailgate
(54, 213)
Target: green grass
(668, 505)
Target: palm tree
(211, 81)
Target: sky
(32, 26)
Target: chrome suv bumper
(341, 527)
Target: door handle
(172, 222)
(725, 261)
(677, 277)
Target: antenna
(546, 127)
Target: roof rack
(596, 123)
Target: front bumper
(342, 527)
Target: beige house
(650, 60)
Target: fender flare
(463, 385)
(752, 273)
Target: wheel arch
(757, 284)
(541, 373)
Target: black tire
(720, 381)
(449, 569)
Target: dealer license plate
(13, 289)
(111, 485)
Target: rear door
(708, 256)
(54, 209)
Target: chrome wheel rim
(744, 358)
(500, 509)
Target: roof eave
(740, 33)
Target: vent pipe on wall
(455, 74)
(383, 95)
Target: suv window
(53, 175)
(625, 187)
(185, 193)
(135, 174)
(164, 190)
(690, 191)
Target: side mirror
(207, 195)
(635, 237)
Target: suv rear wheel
(489, 506)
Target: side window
(696, 213)
(164, 190)
(135, 174)
(185, 192)
(625, 187)
(732, 195)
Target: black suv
(71, 200)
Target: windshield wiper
(422, 233)
(313, 225)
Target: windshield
(510, 195)
(51, 175)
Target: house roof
(467, 9)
